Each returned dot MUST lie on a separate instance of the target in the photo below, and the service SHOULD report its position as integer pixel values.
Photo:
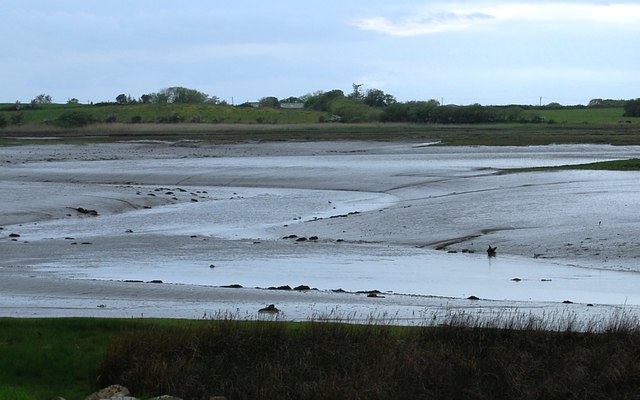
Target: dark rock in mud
(271, 308)
(285, 287)
(86, 211)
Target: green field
(594, 115)
(523, 358)
(226, 124)
(48, 114)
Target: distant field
(152, 113)
(226, 124)
(584, 115)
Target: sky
(457, 52)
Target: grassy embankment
(234, 124)
(265, 360)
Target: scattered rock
(313, 238)
(340, 240)
(339, 291)
(301, 239)
(375, 295)
(101, 306)
(212, 266)
(129, 231)
(516, 279)
(452, 251)
(113, 391)
(133, 281)
(473, 298)
(271, 308)
(69, 238)
(234, 286)
(302, 287)
(290, 237)
(567, 302)
(87, 243)
(156, 281)
(14, 235)
(545, 280)
(589, 305)
(194, 200)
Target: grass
(238, 124)
(453, 135)
(44, 358)
(465, 357)
(632, 164)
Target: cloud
(447, 18)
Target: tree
(269, 102)
(3, 121)
(357, 93)
(632, 108)
(320, 101)
(42, 99)
(73, 101)
(122, 99)
(378, 98)
(177, 94)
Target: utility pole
(540, 101)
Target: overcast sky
(461, 52)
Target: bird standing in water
(491, 251)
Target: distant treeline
(372, 105)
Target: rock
(129, 231)
(313, 238)
(234, 286)
(155, 281)
(589, 305)
(375, 295)
(271, 308)
(339, 291)
(285, 287)
(375, 291)
(516, 279)
(85, 211)
(110, 392)
(567, 302)
(473, 298)
(212, 266)
(302, 287)
(301, 239)
(14, 235)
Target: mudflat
(94, 229)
